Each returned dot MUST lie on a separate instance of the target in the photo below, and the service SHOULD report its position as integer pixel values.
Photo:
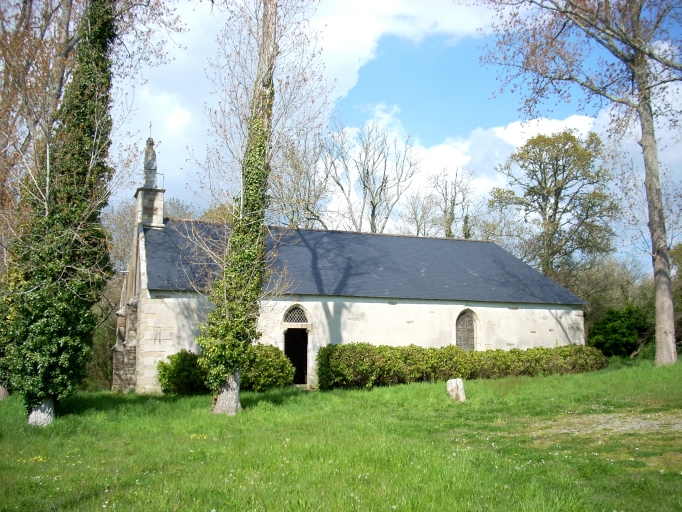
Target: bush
(359, 365)
(621, 332)
(267, 367)
(182, 374)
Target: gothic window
(295, 315)
(465, 332)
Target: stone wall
(168, 323)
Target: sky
(413, 67)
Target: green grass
(607, 440)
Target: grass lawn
(607, 440)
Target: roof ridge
(320, 230)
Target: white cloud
(518, 132)
(352, 28)
(177, 119)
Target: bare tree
(38, 43)
(624, 53)
(371, 172)
(300, 105)
(454, 197)
(299, 187)
(417, 214)
(633, 201)
(271, 101)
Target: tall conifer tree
(59, 263)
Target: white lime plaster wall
(399, 322)
(169, 323)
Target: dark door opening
(296, 349)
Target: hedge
(266, 367)
(361, 365)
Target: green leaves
(559, 186)
(621, 332)
(232, 326)
(358, 365)
(59, 263)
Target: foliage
(361, 365)
(182, 374)
(536, 436)
(59, 263)
(266, 368)
(613, 52)
(99, 369)
(564, 197)
(621, 332)
(232, 326)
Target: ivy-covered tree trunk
(233, 325)
(59, 261)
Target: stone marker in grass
(42, 415)
(456, 389)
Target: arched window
(295, 315)
(466, 335)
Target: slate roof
(336, 263)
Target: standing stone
(43, 414)
(3, 392)
(456, 390)
(227, 401)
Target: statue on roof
(150, 165)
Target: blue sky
(411, 66)
(440, 87)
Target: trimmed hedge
(266, 367)
(361, 365)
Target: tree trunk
(43, 414)
(666, 352)
(3, 392)
(227, 401)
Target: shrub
(621, 332)
(182, 374)
(267, 367)
(359, 365)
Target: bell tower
(149, 205)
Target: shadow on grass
(279, 396)
(87, 402)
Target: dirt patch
(612, 423)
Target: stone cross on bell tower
(150, 197)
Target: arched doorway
(466, 331)
(296, 343)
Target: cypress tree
(59, 262)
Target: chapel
(333, 287)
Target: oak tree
(623, 54)
(560, 188)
